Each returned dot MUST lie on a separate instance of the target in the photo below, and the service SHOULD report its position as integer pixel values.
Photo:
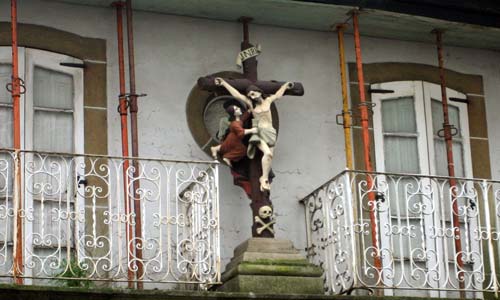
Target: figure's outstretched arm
(281, 91)
(234, 92)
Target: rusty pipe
(449, 156)
(345, 99)
(135, 145)
(366, 138)
(122, 109)
(18, 267)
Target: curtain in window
(400, 150)
(53, 128)
(53, 105)
(6, 131)
(400, 135)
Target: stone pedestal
(271, 266)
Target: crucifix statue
(258, 97)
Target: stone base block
(271, 266)
(273, 284)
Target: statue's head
(254, 93)
(233, 108)
(233, 111)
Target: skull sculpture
(265, 212)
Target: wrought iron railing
(76, 217)
(405, 234)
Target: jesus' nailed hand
(265, 137)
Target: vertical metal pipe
(366, 138)
(135, 144)
(16, 97)
(346, 116)
(449, 155)
(122, 109)
(345, 100)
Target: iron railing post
(351, 222)
(489, 232)
(326, 243)
(307, 216)
(217, 231)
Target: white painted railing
(403, 234)
(80, 220)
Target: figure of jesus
(265, 138)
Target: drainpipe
(122, 110)
(135, 145)
(15, 89)
(448, 137)
(346, 115)
(363, 106)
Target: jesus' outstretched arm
(234, 92)
(281, 91)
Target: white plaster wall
(172, 52)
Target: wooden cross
(257, 197)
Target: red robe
(232, 147)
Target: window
(51, 108)
(51, 121)
(408, 139)
(407, 124)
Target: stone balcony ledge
(15, 292)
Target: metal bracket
(127, 103)
(369, 106)
(81, 180)
(453, 130)
(127, 100)
(22, 87)
(339, 118)
(135, 95)
(73, 65)
(460, 100)
(380, 91)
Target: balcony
(108, 221)
(405, 235)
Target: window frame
(423, 93)
(28, 60)
(51, 61)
